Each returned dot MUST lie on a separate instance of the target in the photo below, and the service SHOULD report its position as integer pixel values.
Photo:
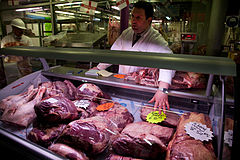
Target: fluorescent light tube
(61, 12)
(28, 9)
(66, 4)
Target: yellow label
(155, 117)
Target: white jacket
(10, 40)
(151, 41)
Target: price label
(198, 131)
(51, 100)
(228, 137)
(155, 117)
(120, 76)
(105, 106)
(82, 104)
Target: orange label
(105, 106)
(119, 76)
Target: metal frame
(34, 151)
(61, 72)
(189, 63)
(222, 119)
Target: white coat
(151, 41)
(10, 40)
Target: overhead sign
(88, 7)
(122, 3)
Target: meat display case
(187, 100)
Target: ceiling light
(61, 12)
(97, 12)
(168, 18)
(117, 17)
(96, 19)
(29, 9)
(115, 7)
(157, 21)
(66, 4)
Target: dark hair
(146, 6)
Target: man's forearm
(163, 85)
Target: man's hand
(161, 101)
(160, 98)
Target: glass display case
(210, 101)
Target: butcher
(16, 38)
(142, 37)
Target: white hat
(18, 23)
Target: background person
(16, 38)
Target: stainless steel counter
(79, 74)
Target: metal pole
(40, 34)
(222, 120)
(216, 27)
(44, 64)
(3, 81)
(236, 127)
(53, 18)
(209, 85)
(124, 17)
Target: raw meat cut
(24, 114)
(184, 80)
(85, 107)
(55, 110)
(143, 140)
(89, 91)
(118, 115)
(148, 77)
(181, 80)
(227, 149)
(182, 146)
(192, 150)
(45, 136)
(72, 90)
(171, 120)
(92, 135)
(63, 89)
(68, 152)
(17, 100)
(106, 98)
(118, 157)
